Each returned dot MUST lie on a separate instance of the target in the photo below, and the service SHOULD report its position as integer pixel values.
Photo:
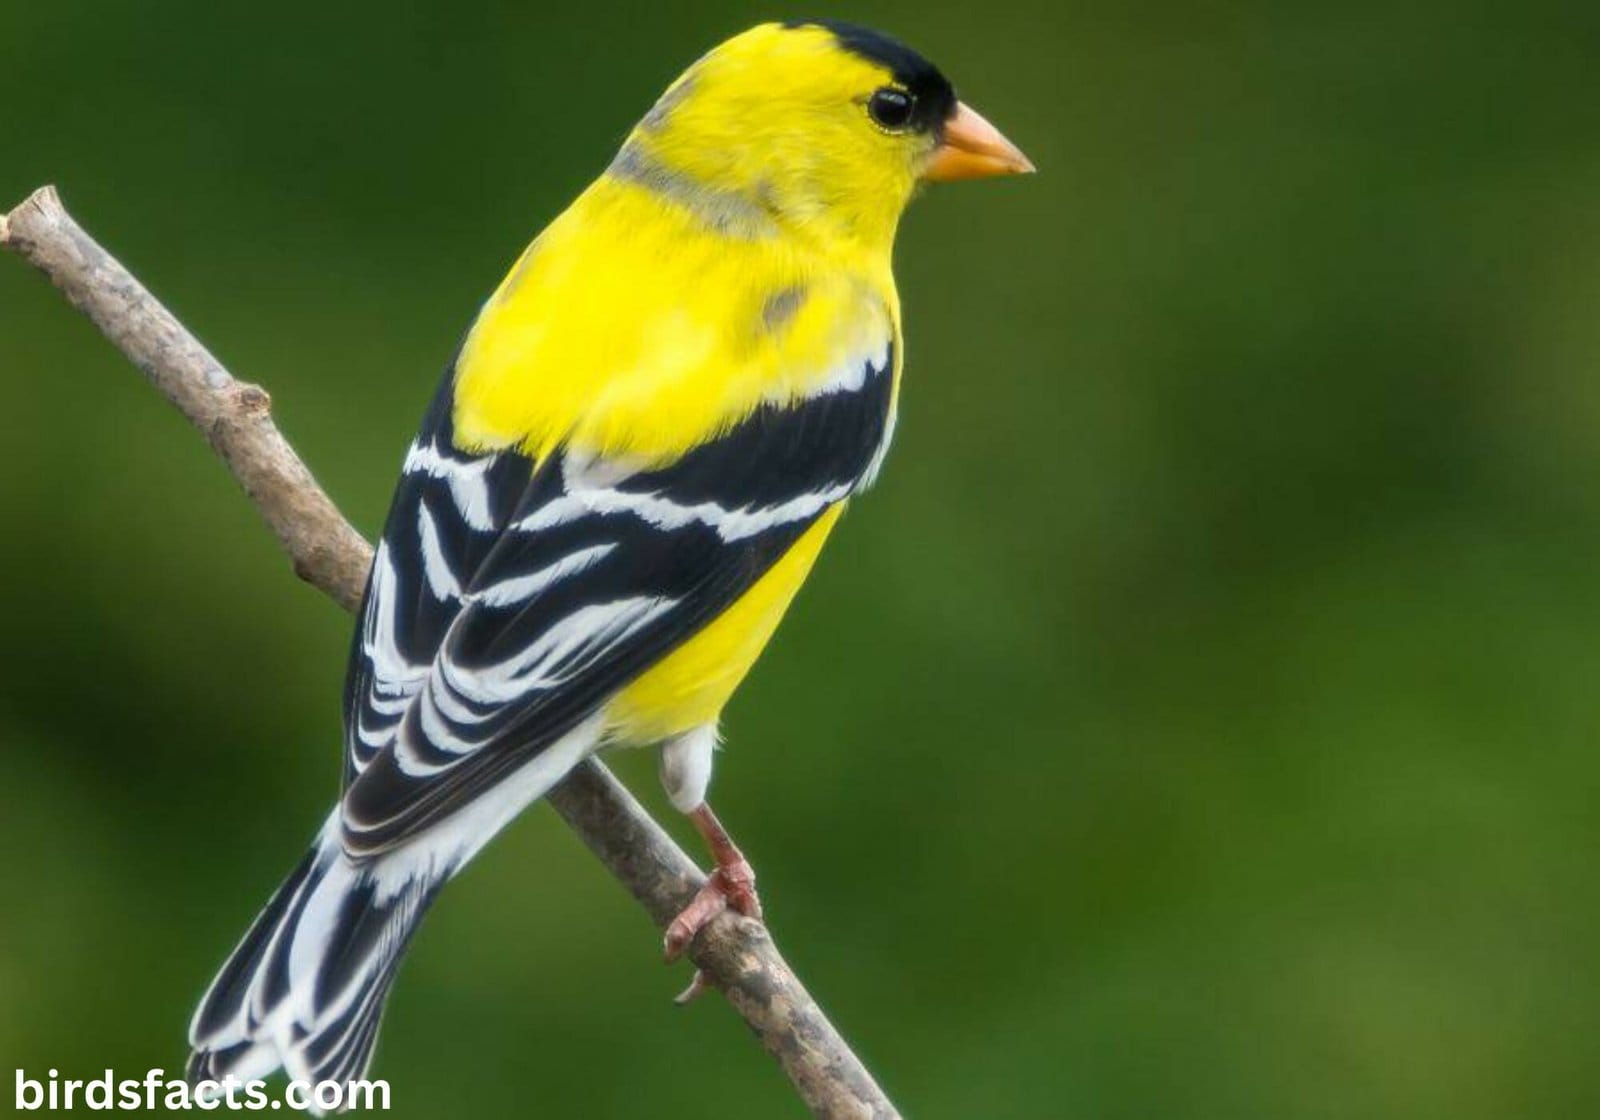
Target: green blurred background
(1199, 720)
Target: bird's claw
(692, 992)
(738, 883)
(732, 886)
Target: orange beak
(974, 149)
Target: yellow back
(628, 329)
(737, 251)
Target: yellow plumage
(630, 328)
(649, 433)
(636, 328)
(688, 687)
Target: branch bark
(737, 955)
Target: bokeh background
(1199, 721)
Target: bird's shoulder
(628, 328)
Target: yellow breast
(690, 686)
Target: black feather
(936, 98)
(824, 445)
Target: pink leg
(731, 883)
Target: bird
(629, 468)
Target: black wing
(508, 602)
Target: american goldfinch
(630, 466)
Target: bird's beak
(974, 149)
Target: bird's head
(819, 126)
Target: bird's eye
(891, 107)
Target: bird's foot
(697, 984)
(730, 886)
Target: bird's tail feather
(306, 986)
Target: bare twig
(737, 955)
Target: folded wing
(509, 600)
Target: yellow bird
(628, 471)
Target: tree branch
(737, 954)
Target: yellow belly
(689, 687)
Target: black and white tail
(305, 988)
